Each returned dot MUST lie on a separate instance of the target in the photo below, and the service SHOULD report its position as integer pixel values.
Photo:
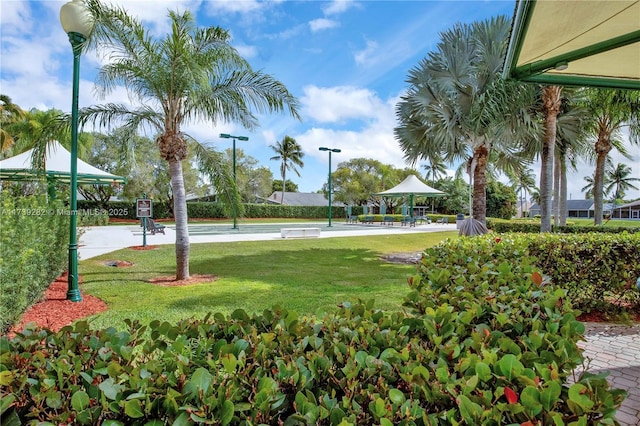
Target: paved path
(614, 348)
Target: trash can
(459, 220)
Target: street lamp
(240, 138)
(77, 22)
(330, 150)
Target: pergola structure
(411, 186)
(57, 168)
(576, 43)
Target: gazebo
(576, 43)
(57, 168)
(411, 187)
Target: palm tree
(618, 177)
(552, 101)
(190, 75)
(290, 155)
(434, 170)
(456, 106)
(610, 111)
(9, 113)
(524, 181)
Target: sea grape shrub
(485, 340)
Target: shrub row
(598, 270)
(485, 342)
(34, 238)
(498, 225)
(204, 210)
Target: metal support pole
(235, 182)
(330, 189)
(73, 292)
(144, 225)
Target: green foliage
(33, 251)
(500, 226)
(598, 270)
(484, 342)
(501, 200)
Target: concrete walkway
(97, 240)
(608, 347)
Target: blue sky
(346, 61)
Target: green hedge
(599, 270)
(484, 342)
(499, 225)
(208, 210)
(34, 238)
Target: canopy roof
(57, 165)
(412, 186)
(579, 43)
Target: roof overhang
(576, 43)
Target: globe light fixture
(329, 150)
(77, 22)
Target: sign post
(144, 209)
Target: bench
(387, 220)
(443, 220)
(299, 232)
(352, 219)
(423, 219)
(154, 227)
(408, 220)
(368, 219)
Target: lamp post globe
(77, 22)
(330, 150)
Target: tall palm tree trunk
(551, 100)
(480, 184)
(556, 189)
(180, 215)
(602, 148)
(563, 194)
(284, 174)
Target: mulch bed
(54, 311)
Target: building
(576, 208)
(627, 211)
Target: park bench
(408, 220)
(153, 227)
(387, 220)
(443, 220)
(367, 219)
(352, 219)
(423, 219)
(299, 232)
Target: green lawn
(307, 275)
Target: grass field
(306, 275)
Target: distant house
(576, 208)
(301, 199)
(627, 211)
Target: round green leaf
(80, 400)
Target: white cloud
(339, 6)
(367, 55)
(322, 24)
(233, 6)
(374, 140)
(15, 18)
(337, 104)
(247, 51)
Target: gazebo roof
(576, 43)
(57, 165)
(412, 186)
